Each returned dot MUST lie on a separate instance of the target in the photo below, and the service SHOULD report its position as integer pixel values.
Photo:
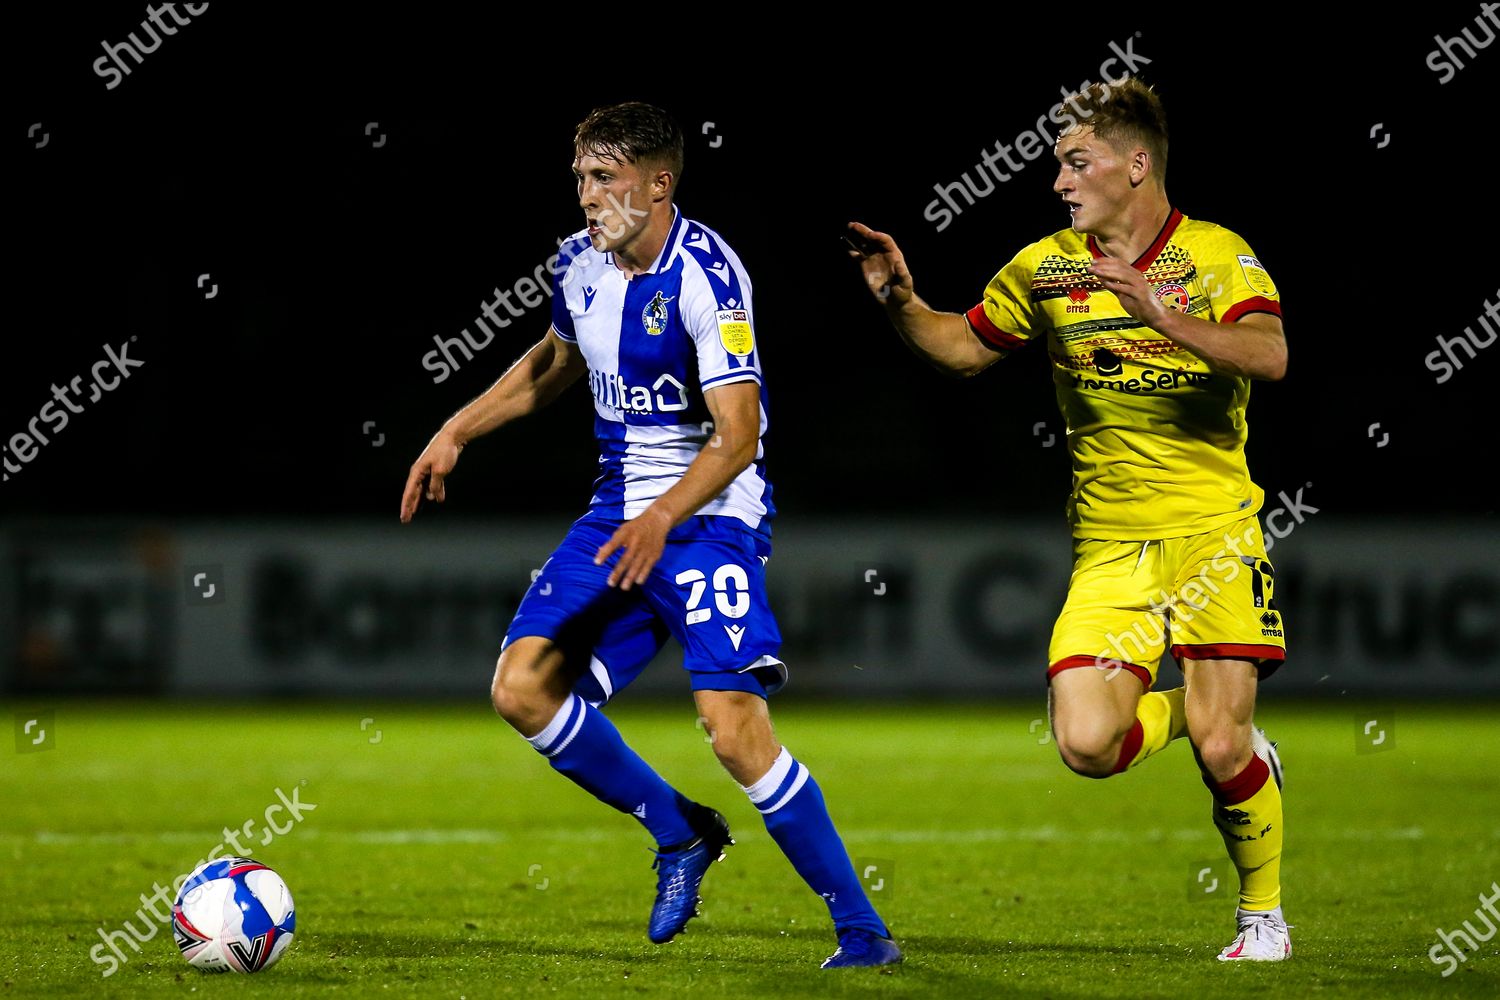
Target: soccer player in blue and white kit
(656, 309)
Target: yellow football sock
(1159, 719)
(1247, 811)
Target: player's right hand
(429, 471)
(883, 266)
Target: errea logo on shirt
(665, 395)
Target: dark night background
(238, 150)
(206, 597)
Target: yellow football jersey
(1157, 440)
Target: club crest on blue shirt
(654, 316)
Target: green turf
(447, 860)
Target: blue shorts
(708, 590)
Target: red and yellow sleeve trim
(1259, 304)
(991, 334)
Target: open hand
(642, 540)
(430, 469)
(883, 265)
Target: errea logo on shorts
(665, 395)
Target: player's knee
(1088, 765)
(1092, 751)
(513, 690)
(1223, 753)
(503, 696)
(744, 753)
(730, 746)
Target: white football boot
(1266, 751)
(1263, 937)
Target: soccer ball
(233, 914)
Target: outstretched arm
(943, 339)
(531, 383)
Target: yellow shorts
(1207, 596)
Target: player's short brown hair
(1127, 114)
(632, 132)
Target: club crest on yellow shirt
(1173, 296)
(654, 316)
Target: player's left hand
(1130, 287)
(642, 540)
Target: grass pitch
(443, 858)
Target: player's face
(614, 201)
(1093, 179)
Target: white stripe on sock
(797, 784)
(583, 713)
(772, 779)
(544, 739)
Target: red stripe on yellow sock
(1131, 746)
(1243, 785)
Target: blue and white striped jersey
(653, 344)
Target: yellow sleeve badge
(1255, 275)
(735, 333)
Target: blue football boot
(680, 871)
(863, 948)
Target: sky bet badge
(654, 316)
(734, 332)
(1255, 275)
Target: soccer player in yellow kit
(1155, 324)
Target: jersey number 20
(731, 592)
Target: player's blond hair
(1127, 114)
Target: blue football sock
(582, 744)
(797, 819)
